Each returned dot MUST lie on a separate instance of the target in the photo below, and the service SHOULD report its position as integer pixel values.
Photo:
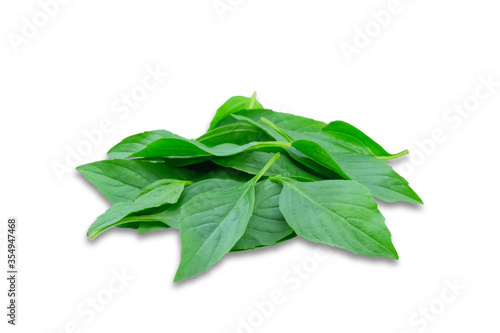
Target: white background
(65, 79)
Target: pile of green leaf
(255, 179)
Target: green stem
(276, 179)
(253, 99)
(394, 156)
(265, 168)
(278, 144)
(277, 129)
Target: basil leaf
(286, 121)
(384, 183)
(235, 104)
(180, 162)
(252, 162)
(123, 180)
(266, 226)
(210, 170)
(356, 140)
(212, 223)
(284, 239)
(379, 177)
(166, 144)
(228, 208)
(294, 153)
(338, 136)
(137, 142)
(338, 213)
(151, 226)
(239, 134)
(169, 216)
(138, 222)
(164, 191)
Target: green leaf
(252, 162)
(370, 171)
(266, 226)
(212, 223)
(316, 153)
(129, 225)
(210, 170)
(337, 136)
(137, 142)
(151, 226)
(210, 226)
(356, 140)
(166, 144)
(228, 208)
(137, 222)
(164, 191)
(235, 104)
(219, 176)
(380, 178)
(338, 213)
(284, 239)
(279, 134)
(123, 180)
(385, 183)
(180, 162)
(286, 121)
(312, 164)
(238, 134)
(169, 216)
(319, 153)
